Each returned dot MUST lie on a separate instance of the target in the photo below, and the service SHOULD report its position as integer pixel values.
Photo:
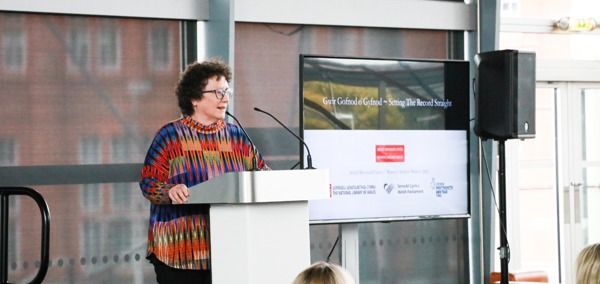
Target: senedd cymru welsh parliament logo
(389, 187)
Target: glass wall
(81, 96)
(267, 77)
(553, 178)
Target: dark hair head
(193, 80)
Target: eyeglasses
(220, 93)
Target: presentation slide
(391, 173)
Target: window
(121, 196)
(78, 46)
(91, 197)
(14, 241)
(160, 49)
(14, 53)
(90, 150)
(119, 150)
(91, 194)
(92, 239)
(8, 152)
(510, 8)
(108, 48)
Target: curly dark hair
(193, 80)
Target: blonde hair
(324, 273)
(588, 265)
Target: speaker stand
(504, 249)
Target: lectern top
(262, 186)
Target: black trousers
(167, 275)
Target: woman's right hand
(179, 194)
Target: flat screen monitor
(393, 134)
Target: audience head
(588, 265)
(324, 273)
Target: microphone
(308, 156)
(254, 160)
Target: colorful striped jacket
(186, 152)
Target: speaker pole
(504, 249)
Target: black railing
(5, 192)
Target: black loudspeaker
(505, 95)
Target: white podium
(259, 223)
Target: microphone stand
(308, 156)
(254, 159)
